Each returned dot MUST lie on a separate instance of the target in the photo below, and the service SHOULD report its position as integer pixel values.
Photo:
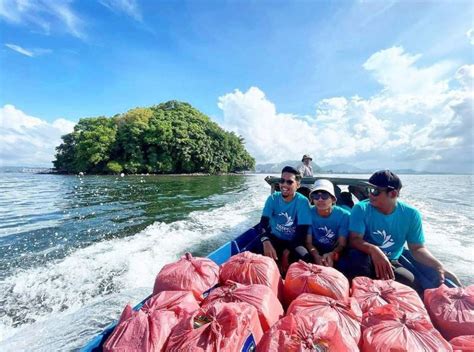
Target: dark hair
(292, 170)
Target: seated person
(380, 227)
(346, 201)
(327, 236)
(285, 221)
(359, 192)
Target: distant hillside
(275, 168)
(344, 168)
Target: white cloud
(43, 14)
(28, 140)
(129, 7)
(417, 120)
(470, 35)
(28, 52)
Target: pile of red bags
(298, 333)
(188, 274)
(261, 297)
(346, 314)
(451, 310)
(148, 329)
(221, 327)
(311, 278)
(387, 328)
(374, 293)
(250, 268)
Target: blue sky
(64, 60)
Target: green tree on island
(172, 137)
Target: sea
(74, 250)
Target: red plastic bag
(311, 278)
(463, 343)
(374, 293)
(141, 331)
(261, 297)
(451, 310)
(387, 328)
(301, 333)
(188, 274)
(223, 327)
(250, 268)
(149, 328)
(347, 315)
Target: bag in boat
(141, 331)
(347, 315)
(386, 328)
(311, 278)
(463, 343)
(226, 327)
(188, 274)
(261, 297)
(148, 329)
(451, 310)
(300, 333)
(374, 293)
(250, 268)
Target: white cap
(323, 185)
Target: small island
(168, 138)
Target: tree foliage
(172, 137)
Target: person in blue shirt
(327, 236)
(285, 221)
(379, 228)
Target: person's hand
(269, 251)
(440, 271)
(327, 259)
(383, 268)
(316, 258)
(285, 260)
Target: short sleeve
(304, 212)
(356, 221)
(415, 234)
(268, 208)
(344, 227)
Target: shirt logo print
(327, 232)
(387, 240)
(289, 220)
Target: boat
(250, 241)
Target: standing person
(285, 221)
(329, 230)
(379, 228)
(306, 170)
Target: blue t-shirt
(326, 230)
(388, 232)
(284, 216)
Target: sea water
(75, 250)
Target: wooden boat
(250, 241)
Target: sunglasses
(288, 182)
(376, 191)
(318, 196)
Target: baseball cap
(323, 185)
(385, 179)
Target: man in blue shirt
(379, 228)
(285, 221)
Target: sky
(374, 84)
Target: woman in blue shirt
(327, 236)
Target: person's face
(306, 161)
(322, 200)
(288, 184)
(381, 197)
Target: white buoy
(81, 173)
(122, 174)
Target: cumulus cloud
(28, 140)
(43, 14)
(421, 118)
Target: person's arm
(329, 258)
(383, 267)
(313, 251)
(421, 254)
(268, 249)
